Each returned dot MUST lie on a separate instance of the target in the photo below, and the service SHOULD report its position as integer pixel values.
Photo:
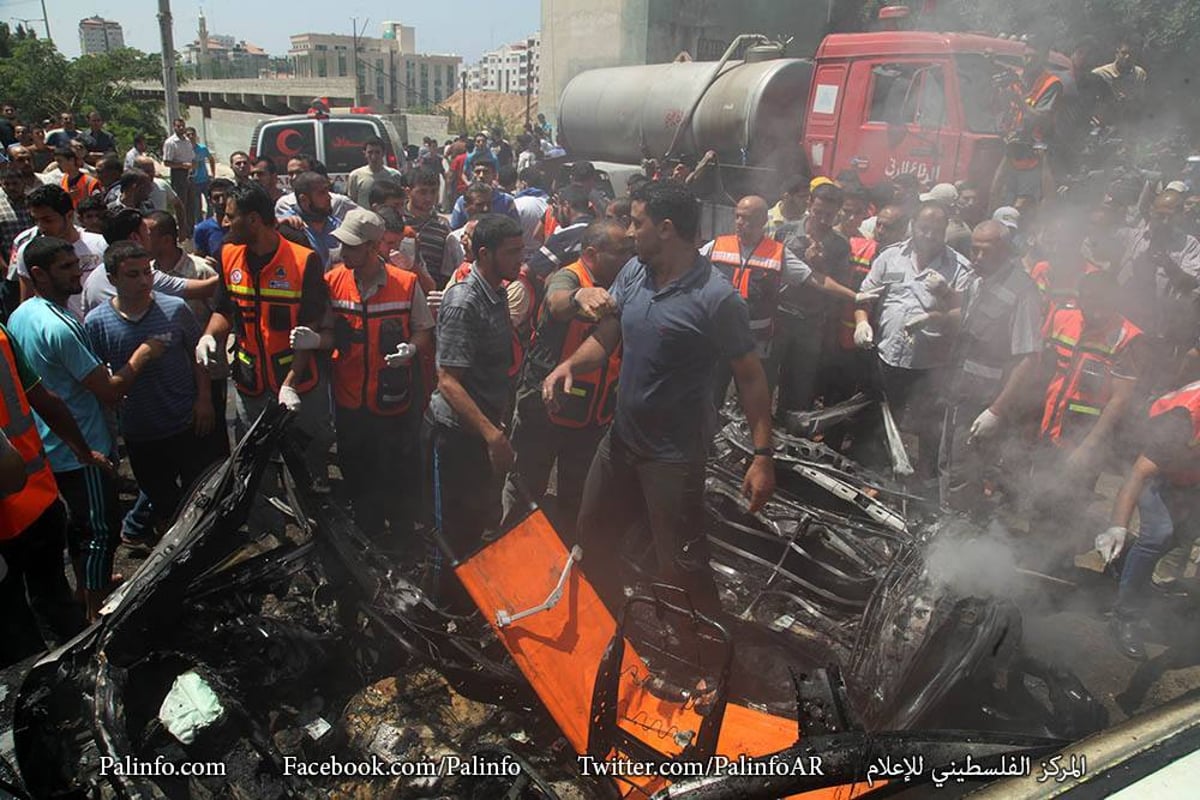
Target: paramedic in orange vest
(1094, 357)
(759, 267)
(273, 299)
(1162, 486)
(381, 324)
(1040, 90)
(567, 435)
(33, 521)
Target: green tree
(42, 83)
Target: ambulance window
(344, 143)
(908, 94)
(279, 141)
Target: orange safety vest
(84, 187)
(1082, 383)
(757, 279)
(1054, 298)
(364, 332)
(1031, 98)
(593, 396)
(862, 253)
(20, 510)
(518, 346)
(549, 223)
(267, 307)
(1188, 398)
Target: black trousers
(963, 465)
(912, 395)
(36, 584)
(166, 468)
(624, 489)
(182, 186)
(796, 356)
(540, 445)
(94, 526)
(465, 488)
(380, 465)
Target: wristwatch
(764, 451)
(575, 299)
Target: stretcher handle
(504, 618)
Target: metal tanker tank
(624, 114)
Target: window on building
(341, 65)
(322, 69)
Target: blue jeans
(1161, 508)
(139, 519)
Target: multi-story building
(512, 68)
(99, 35)
(214, 55)
(391, 74)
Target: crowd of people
(481, 323)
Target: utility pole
(464, 94)
(354, 52)
(528, 82)
(46, 22)
(170, 87)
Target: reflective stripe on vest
(757, 277)
(593, 396)
(1082, 380)
(20, 510)
(267, 307)
(364, 333)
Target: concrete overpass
(226, 111)
(255, 95)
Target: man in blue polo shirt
(676, 318)
(57, 348)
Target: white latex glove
(403, 355)
(303, 338)
(289, 398)
(935, 283)
(869, 296)
(864, 337)
(984, 426)
(1110, 543)
(206, 351)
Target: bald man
(993, 367)
(759, 268)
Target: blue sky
(465, 27)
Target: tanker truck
(880, 104)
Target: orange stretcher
(560, 648)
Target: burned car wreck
(267, 635)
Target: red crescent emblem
(281, 142)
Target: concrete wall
(415, 127)
(581, 34)
(226, 131)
